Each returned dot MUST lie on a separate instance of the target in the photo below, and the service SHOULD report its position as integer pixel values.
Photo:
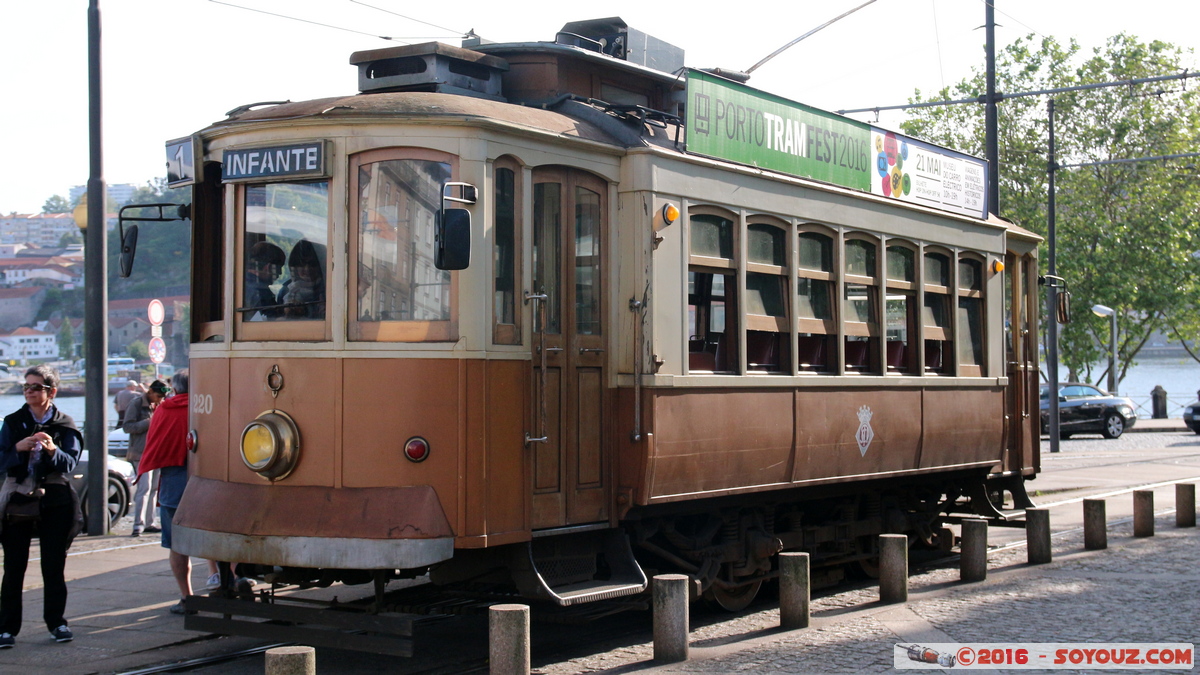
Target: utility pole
(96, 295)
(992, 143)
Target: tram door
(1023, 428)
(570, 467)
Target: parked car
(1083, 408)
(118, 442)
(1191, 416)
(120, 478)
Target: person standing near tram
(136, 423)
(39, 447)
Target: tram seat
(897, 351)
(811, 350)
(858, 355)
(702, 361)
(933, 355)
(762, 350)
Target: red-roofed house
(26, 344)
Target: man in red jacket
(166, 449)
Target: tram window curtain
(900, 311)
(712, 292)
(506, 253)
(815, 305)
(971, 338)
(399, 295)
(860, 300)
(935, 313)
(768, 328)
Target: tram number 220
(202, 404)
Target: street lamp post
(1101, 310)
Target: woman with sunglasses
(39, 447)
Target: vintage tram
(537, 314)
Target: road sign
(158, 350)
(156, 312)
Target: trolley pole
(96, 295)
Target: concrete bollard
(293, 660)
(795, 590)
(1158, 402)
(1095, 525)
(1037, 535)
(670, 618)
(508, 639)
(1143, 513)
(972, 561)
(893, 568)
(1185, 505)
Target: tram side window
(505, 254)
(861, 291)
(401, 295)
(710, 321)
(970, 317)
(712, 293)
(901, 308)
(814, 302)
(208, 256)
(285, 252)
(936, 314)
(767, 327)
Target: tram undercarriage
(725, 546)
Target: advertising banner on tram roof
(730, 121)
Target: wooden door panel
(590, 469)
(547, 458)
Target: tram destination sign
(278, 161)
(730, 121)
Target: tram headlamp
(271, 445)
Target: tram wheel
(734, 599)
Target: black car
(1191, 416)
(1084, 408)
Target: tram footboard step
(555, 572)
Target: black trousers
(52, 531)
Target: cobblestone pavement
(1138, 590)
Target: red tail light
(416, 449)
(193, 440)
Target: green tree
(66, 340)
(69, 238)
(138, 350)
(162, 263)
(1125, 232)
(56, 204)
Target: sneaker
(136, 533)
(214, 582)
(150, 529)
(7, 641)
(178, 608)
(244, 588)
(62, 634)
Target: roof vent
(431, 66)
(613, 37)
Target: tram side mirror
(128, 250)
(453, 240)
(1064, 307)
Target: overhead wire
(388, 11)
(404, 40)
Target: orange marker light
(997, 266)
(670, 213)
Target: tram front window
(284, 255)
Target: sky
(173, 67)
